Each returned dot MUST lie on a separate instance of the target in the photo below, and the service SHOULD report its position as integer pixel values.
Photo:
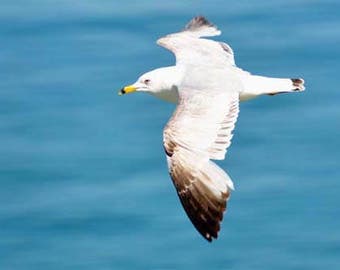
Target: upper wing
(200, 129)
(190, 48)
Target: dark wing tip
(198, 22)
(204, 210)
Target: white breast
(169, 95)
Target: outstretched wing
(190, 48)
(201, 129)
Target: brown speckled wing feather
(203, 206)
(203, 187)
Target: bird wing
(200, 129)
(203, 123)
(189, 48)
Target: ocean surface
(83, 177)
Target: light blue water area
(83, 176)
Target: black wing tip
(198, 21)
(205, 220)
(207, 224)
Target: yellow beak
(127, 89)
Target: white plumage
(207, 86)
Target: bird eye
(146, 81)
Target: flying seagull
(207, 86)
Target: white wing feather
(190, 48)
(203, 123)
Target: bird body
(207, 86)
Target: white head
(161, 82)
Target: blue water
(83, 177)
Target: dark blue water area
(83, 177)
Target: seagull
(207, 87)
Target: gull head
(161, 82)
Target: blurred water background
(83, 177)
